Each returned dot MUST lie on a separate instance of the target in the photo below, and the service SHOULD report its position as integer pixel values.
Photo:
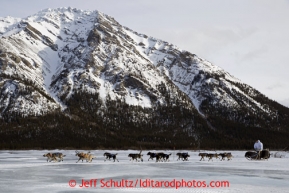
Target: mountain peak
(47, 59)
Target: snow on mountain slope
(91, 81)
(7, 24)
(196, 77)
(62, 51)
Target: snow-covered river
(28, 171)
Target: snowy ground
(28, 171)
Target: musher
(258, 146)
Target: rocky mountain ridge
(79, 64)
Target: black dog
(184, 156)
(110, 155)
(135, 156)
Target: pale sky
(247, 38)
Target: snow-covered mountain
(49, 58)
(65, 50)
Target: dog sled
(262, 155)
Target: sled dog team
(160, 156)
(216, 155)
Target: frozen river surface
(28, 171)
